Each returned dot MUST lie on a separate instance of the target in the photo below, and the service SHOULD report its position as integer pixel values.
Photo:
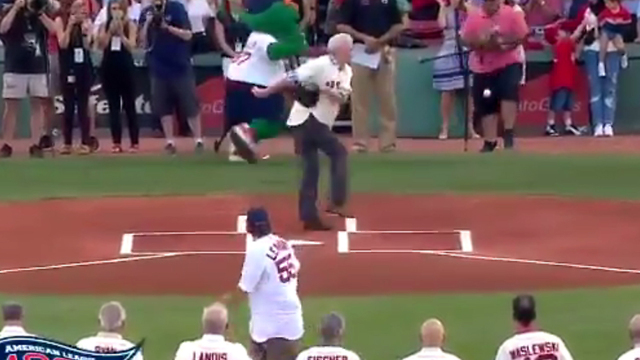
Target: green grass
(379, 328)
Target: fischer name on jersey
(107, 343)
(253, 65)
(270, 278)
(327, 353)
(534, 345)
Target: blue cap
(258, 216)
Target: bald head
(634, 328)
(112, 316)
(331, 328)
(12, 312)
(432, 333)
(215, 318)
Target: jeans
(602, 90)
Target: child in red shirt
(562, 78)
(613, 22)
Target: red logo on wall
(535, 97)
(211, 96)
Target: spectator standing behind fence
(50, 116)
(133, 9)
(212, 344)
(231, 34)
(373, 24)
(602, 90)
(614, 21)
(112, 317)
(451, 63)
(494, 33)
(76, 73)
(332, 327)
(634, 335)
(24, 30)
(200, 14)
(13, 317)
(166, 35)
(543, 12)
(432, 335)
(117, 40)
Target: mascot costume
(270, 51)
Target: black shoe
(315, 225)
(242, 139)
(507, 139)
(35, 151)
(572, 130)
(340, 211)
(489, 146)
(46, 143)
(94, 144)
(170, 149)
(6, 151)
(551, 130)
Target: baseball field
(436, 233)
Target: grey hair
(331, 326)
(339, 40)
(112, 316)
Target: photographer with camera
(117, 39)
(24, 31)
(166, 34)
(76, 72)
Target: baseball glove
(307, 94)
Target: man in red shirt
(562, 78)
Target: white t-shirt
(327, 353)
(270, 278)
(133, 13)
(253, 65)
(431, 353)
(12, 330)
(324, 72)
(632, 354)
(532, 345)
(105, 342)
(199, 11)
(213, 347)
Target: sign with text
(36, 348)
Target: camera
(38, 6)
(157, 13)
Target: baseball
(486, 93)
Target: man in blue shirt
(166, 34)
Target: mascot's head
(278, 18)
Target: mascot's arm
(286, 48)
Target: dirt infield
(569, 234)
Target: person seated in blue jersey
(166, 36)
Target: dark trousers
(310, 137)
(275, 349)
(119, 91)
(75, 96)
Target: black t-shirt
(25, 45)
(370, 17)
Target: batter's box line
(464, 237)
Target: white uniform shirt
(253, 65)
(270, 278)
(107, 343)
(324, 72)
(327, 353)
(632, 354)
(133, 14)
(533, 345)
(213, 347)
(13, 330)
(431, 353)
(199, 11)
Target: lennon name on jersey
(547, 347)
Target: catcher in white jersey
(212, 344)
(331, 332)
(270, 279)
(634, 334)
(112, 317)
(529, 343)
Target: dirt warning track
(193, 245)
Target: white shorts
(20, 86)
(290, 327)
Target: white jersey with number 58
(270, 278)
(253, 65)
(533, 345)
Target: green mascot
(270, 51)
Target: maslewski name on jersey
(253, 65)
(534, 345)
